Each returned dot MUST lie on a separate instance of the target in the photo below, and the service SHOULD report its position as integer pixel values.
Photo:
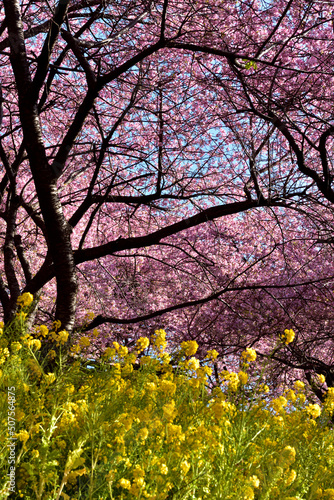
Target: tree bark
(57, 228)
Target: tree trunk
(57, 228)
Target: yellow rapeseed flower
(56, 324)
(189, 347)
(159, 340)
(125, 483)
(243, 377)
(62, 336)
(109, 352)
(193, 363)
(248, 493)
(123, 350)
(174, 433)
(23, 435)
(212, 354)
(254, 481)
(279, 403)
(329, 400)
(21, 315)
(16, 346)
(35, 344)
(221, 408)
(248, 355)
(185, 466)
(26, 299)
(288, 336)
(291, 396)
(321, 378)
(50, 378)
(167, 387)
(299, 385)
(328, 494)
(142, 343)
(163, 469)
(42, 330)
(292, 474)
(287, 456)
(169, 411)
(232, 379)
(143, 433)
(138, 472)
(313, 410)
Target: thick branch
(154, 238)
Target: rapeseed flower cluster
(136, 427)
(288, 336)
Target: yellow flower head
(248, 493)
(52, 354)
(212, 355)
(23, 436)
(167, 387)
(185, 466)
(138, 472)
(16, 346)
(313, 410)
(21, 315)
(279, 403)
(123, 351)
(232, 379)
(56, 324)
(248, 355)
(288, 456)
(321, 378)
(292, 474)
(63, 336)
(143, 433)
(125, 483)
(159, 339)
(169, 411)
(189, 347)
(163, 469)
(299, 385)
(174, 433)
(243, 377)
(42, 330)
(254, 481)
(329, 400)
(50, 378)
(221, 408)
(35, 344)
(193, 363)
(288, 336)
(25, 299)
(142, 343)
(328, 494)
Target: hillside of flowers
(146, 424)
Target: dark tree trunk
(57, 228)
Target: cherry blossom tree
(170, 163)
